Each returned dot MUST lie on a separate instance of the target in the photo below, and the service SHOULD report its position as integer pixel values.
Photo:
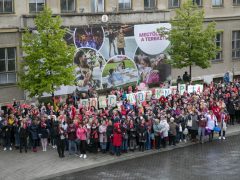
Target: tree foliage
(48, 63)
(192, 42)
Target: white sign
(112, 100)
(181, 88)
(104, 18)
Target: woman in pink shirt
(82, 136)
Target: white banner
(149, 40)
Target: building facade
(15, 15)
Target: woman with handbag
(211, 123)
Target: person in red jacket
(117, 138)
(216, 111)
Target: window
(149, 4)
(124, 4)
(6, 6)
(67, 6)
(36, 5)
(97, 6)
(236, 2)
(217, 3)
(174, 3)
(7, 65)
(198, 2)
(235, 44)
(219, 41)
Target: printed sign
(84, 102)
(102, 102)
(93, 102)
(112, 100)
(131, 98)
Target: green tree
(192, 42)
(48, 63)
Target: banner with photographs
(119, 55)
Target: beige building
(15, 15)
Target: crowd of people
(154, 124)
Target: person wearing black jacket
(23, 134)
(231, 110)
(110, 137)
(6, 130)
(61, 136)
(142, 135)
(132, 136)
(33, 129)
(43, 133)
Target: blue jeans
(72, 145)
(66, 145)
(201, 133)
(148, 141)
(103, 145)
(17, 139)
(7, 142)
(125, 144)
(117, 150)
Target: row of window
(7, 6)
(8, 57)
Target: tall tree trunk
(52, 95)
(190, 73)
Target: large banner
(119, 55)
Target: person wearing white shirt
(211, 123)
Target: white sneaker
(185, 140)
(10, 148)
(224, 138)
(219, 137)
(81, 155)
(5, 149)
(84, 156)
(180, 140)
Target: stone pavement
(44, 165)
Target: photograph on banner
(89, 37)
(69, 36)
(102, 101)
(119, 40)
(89, 65)
(152, 68)
(119, 71)
(112, 100)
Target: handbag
(207, 131)
(180, 128)
(189, 123)
(185, 132)
(216, 129)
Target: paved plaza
(217, 160)
(47, 165)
